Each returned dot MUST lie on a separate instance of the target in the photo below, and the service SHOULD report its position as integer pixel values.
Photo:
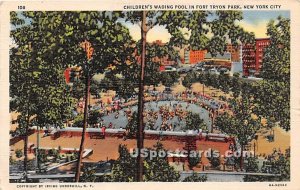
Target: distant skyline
(254, 21)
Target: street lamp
(212, 117)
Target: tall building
(248, 59)
(260, 45)
(253, 56)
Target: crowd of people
(171, 116)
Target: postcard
(138, 94)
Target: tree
(235, 85)
(78, 121)
(95, 88)
(214, 159)
(276, 59)
(132, 125)
(94, 117)
(77, 89)
(38, 94)
(224, 82)
(189, 79)
(240, 123)
(88, 175)
(275, 88)
(19, 153)
(252, 166)
(193, 121)
(158, 168)
(169, 78)
(277, 163)
(193, 159)
(124, 168)
(38, 47)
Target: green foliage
(276, 60)
(235, 85)
(194, 122)
(152, 74)
(241, 124)
(252, 166)
(42, 156)
(195, 178)
(277, 163)
(169, 78)
(132, 125)
(19, 153)
(275, 89)
(214, 160)
(189, 79)
(95, 88)
(77, 90)
(193, 160)
(12, 161)
(94, 117)
(78, 121)
(124, 168)
(125, 86)
(156, 169)
(88, 175)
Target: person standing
(103, 130)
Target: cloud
(156, 33)
(259, 29)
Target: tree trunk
(25, 147)
(37, 149)
(242, 157)
(140, 131)
(79, 159)
(212, 121)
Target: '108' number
(21, 7)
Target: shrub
(19, 153)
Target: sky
(254, 21)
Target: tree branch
(152, 25)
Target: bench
(216, 138)
(97, 136)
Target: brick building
(248, 54)
(260, 45)
(253, 55)
(235, 52)
(194, 56)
